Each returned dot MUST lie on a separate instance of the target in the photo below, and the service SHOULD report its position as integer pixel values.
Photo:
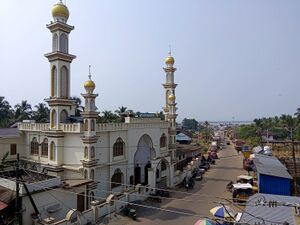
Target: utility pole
(294, 162)
(18, 213)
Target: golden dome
(89, 84)
(60, 10)
(169, 60)
(172, 97)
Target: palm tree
(42, 113)
(6, 112)
(23, 111)
(121, 109)
(78, 107)
(108, 117)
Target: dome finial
(169, 60)
(89, 85)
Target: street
(213, 185)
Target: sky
(235, 59)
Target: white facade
(114, 155)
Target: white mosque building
(114, 155)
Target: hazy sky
(235, 58)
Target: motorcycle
(154, 197)
(129, 212)
(229, 186)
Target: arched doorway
(142, 159)
(163, 174)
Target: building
(272, 175)
(258, 211)
(112, 155)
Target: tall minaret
(61, 106)
(170, 107)
(89, 138)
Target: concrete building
(113, 155)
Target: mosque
(112, 155)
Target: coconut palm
(78, 107)
(121, 110)
(23, 111)
(42, 113)
(6, 112)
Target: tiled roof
(270, 165)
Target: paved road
(227, 168)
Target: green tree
(23, 111)
(78, 107)
(190, 124)
(41, 115)
(6, 113)
(108, 117)
(121, 110)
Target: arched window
(34, 147)
(116, 179)
(92, 152)
(86, 152)
(63, 116)
(92, 174)
(92, 196)
(63, 43)
(118, 148)
(53, 82)
(92, 125)
(163, 140)
(52, 151)
(85, 175)
(45, 148)
(86, 125)
(54, 43)
(64, 79)
(163, 166)
(53, 118)
(167, 96)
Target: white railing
(125, 126)
(34, 126)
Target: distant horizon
(234, 59)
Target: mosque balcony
(33, 126)
(170, 85)
(59, 26)
(133, 123)
(57, 55)
(64, 127)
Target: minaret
(61, 106)
(89, 116)
(170, 106)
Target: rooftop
(270, 216)
(9, 132)
(270, 165)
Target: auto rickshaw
(241, 192)
(244, 179)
